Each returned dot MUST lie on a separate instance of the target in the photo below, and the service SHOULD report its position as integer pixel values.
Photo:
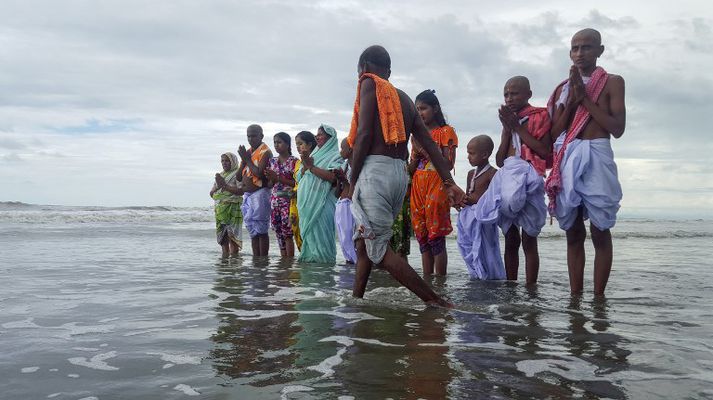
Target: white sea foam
(187, 390)
(293, 388)
(349, 341)
(25, 323)
(29, 370)
(178, 359)
(326, 367)
(571, 368)
(89, 398)
(145, 331)
(53, 395)
(74, 330)
(85, 348)
(96, 362)
(75, 376)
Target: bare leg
(427, 261)
(234, 248)
(264, 243)
(575, 254)
(289, 247)
(363, 269)
(603, 256)
(255, 243)
(440, 262)
(532, 258)
(402, 272)
(512, 250)
(225, 247)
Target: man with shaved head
(588, 109)
(384, 118)
(524, 146)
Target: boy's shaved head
(483, 143)
(519, 81)
(376, 55)
(589, 33)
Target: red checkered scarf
(595, 86)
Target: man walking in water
(384, 117)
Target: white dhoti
(344, 221)
(377, 200)
(256, 212)
(589, 179)
(522, 196)
(478, 238)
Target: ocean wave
(23, 213)
(125, 215)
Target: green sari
(316, 204)
(228, 217)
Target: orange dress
(430, 209)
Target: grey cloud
(597, 20)
(12, 144)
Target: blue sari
(316, 203)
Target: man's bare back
(400, 151)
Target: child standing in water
(280, 173)
(343, 218)
(430, 208)
(227, 193)
(478, 238)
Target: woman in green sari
(228, 196)
(316, 198)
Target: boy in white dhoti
(524, 145)
(478, 238)
(587, 108)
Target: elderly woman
(316, 197)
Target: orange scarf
(390, 114)
(256, 156)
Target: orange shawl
(389, 107)
(256, 156)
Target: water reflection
(252, 334)
(599, 348)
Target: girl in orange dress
(430, 209)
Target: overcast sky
(132, 102)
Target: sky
(120, 103)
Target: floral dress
(280, 200)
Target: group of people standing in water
(371, 191)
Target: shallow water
(107, 309)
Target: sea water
(135, 302)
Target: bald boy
(588, 109)
(524, 146)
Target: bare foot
(441, 303)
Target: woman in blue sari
(316, 198)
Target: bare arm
(540, 146)
(562, 115)
(449, 153)
(614, 119)
(503, 148)
(468, 187)
(365, 131)
(324, 174)
(442, 165)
